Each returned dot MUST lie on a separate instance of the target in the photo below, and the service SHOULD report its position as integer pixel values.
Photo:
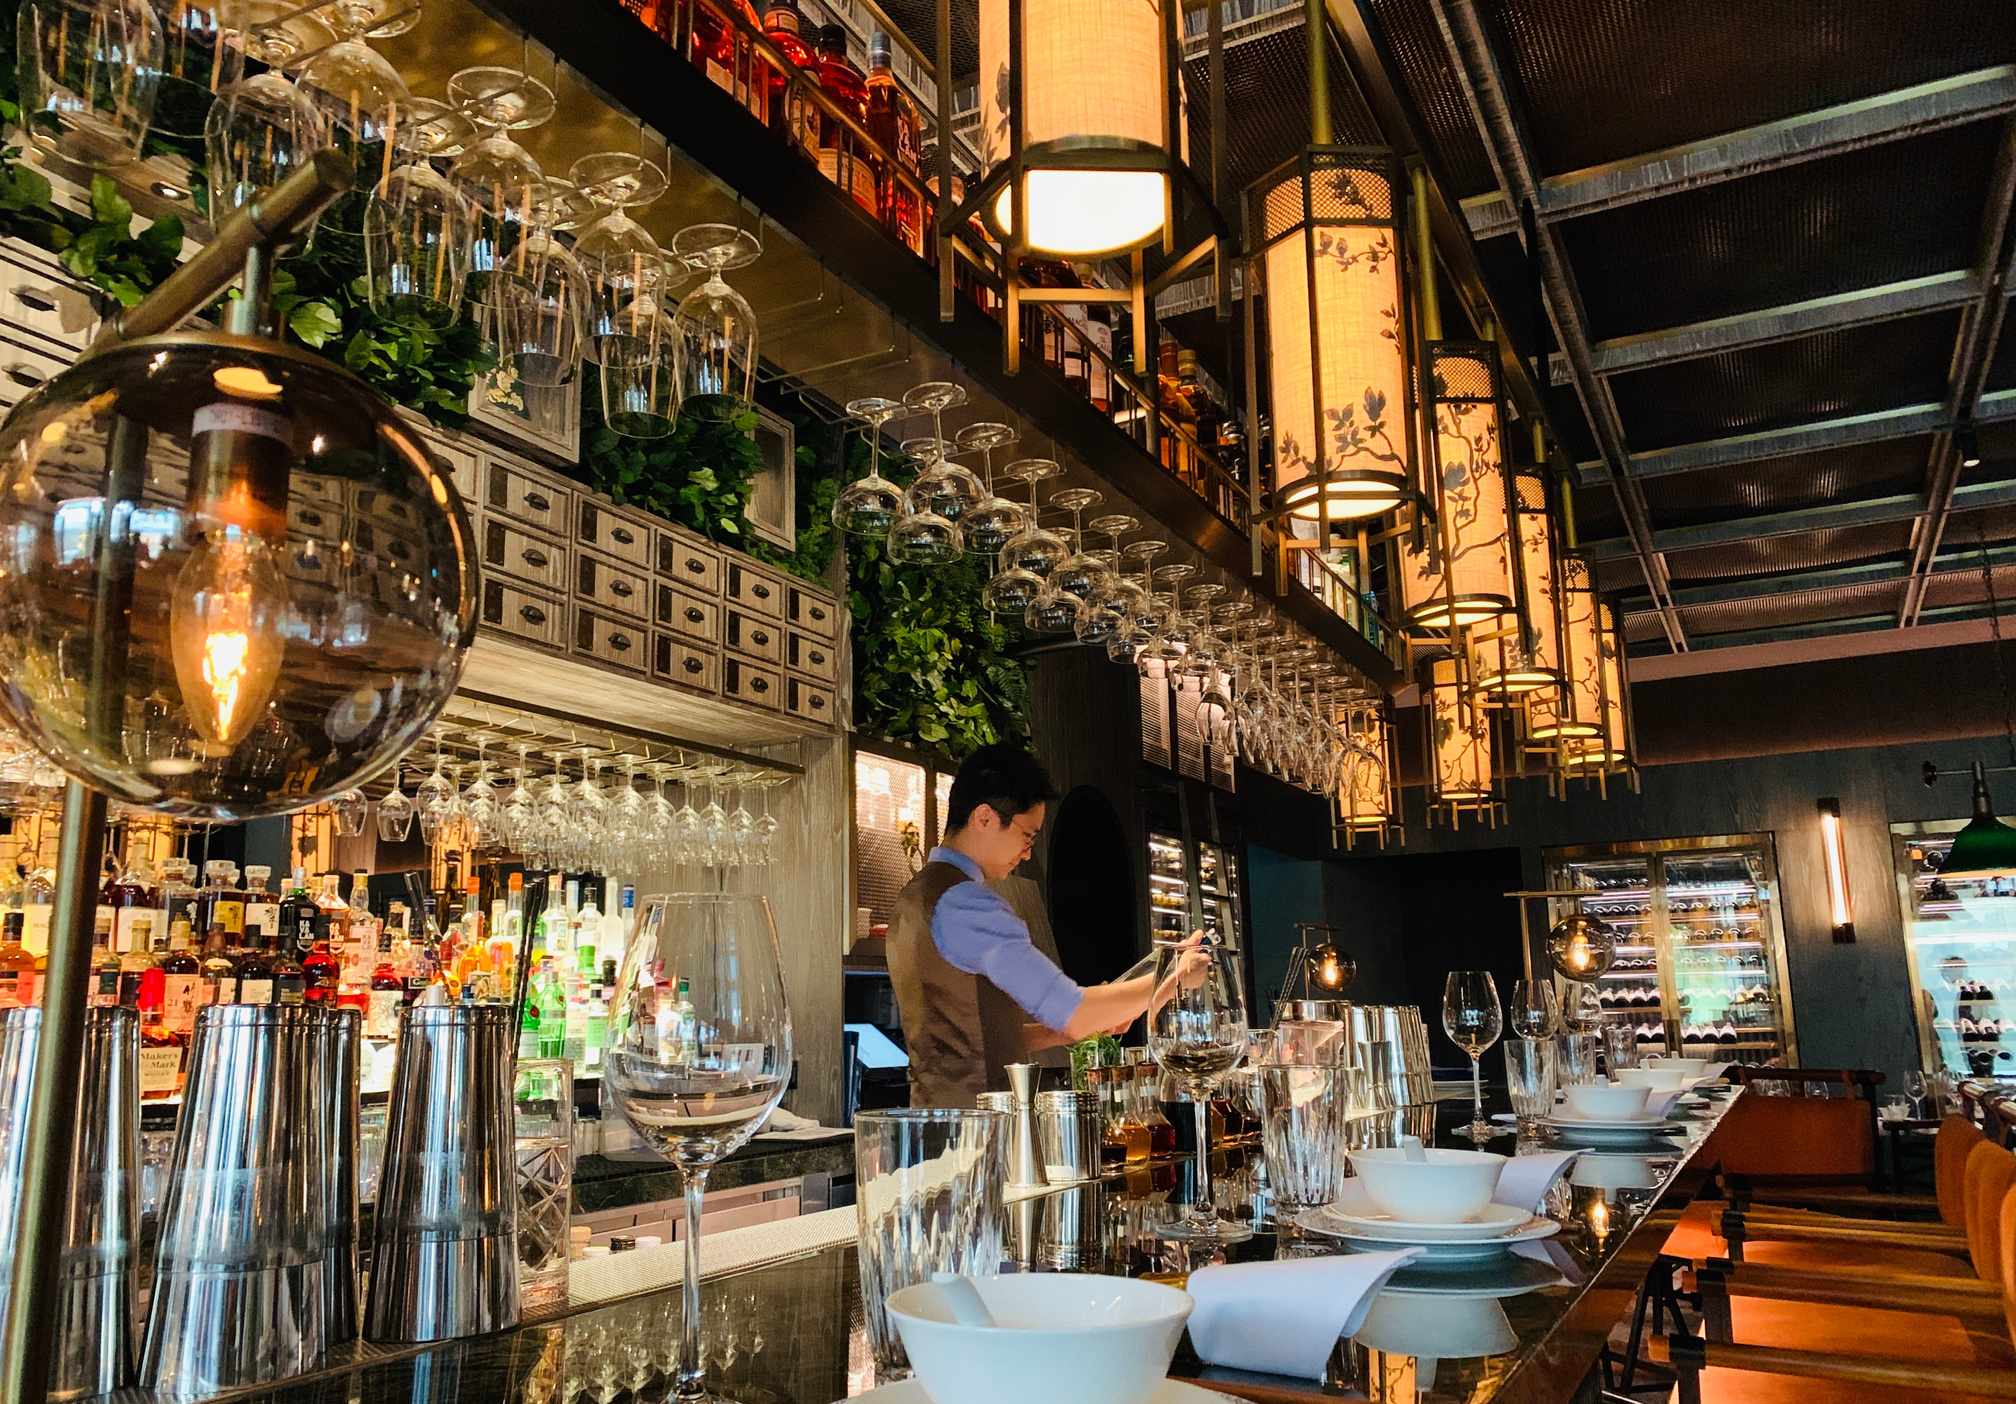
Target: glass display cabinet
(1218, 878)
(1701, 949)
(1960, 935)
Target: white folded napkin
(1525, 1180)
(1660, 1104)
(1284, 1317)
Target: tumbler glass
(1529, 1078)
(1302, 1132)
(1575, 1061)
(1620, 1047)
(928, 1199)
(543, 1105)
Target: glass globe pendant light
(173, 642)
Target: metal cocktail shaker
(445, 1249)
(20, 1029)
(1067, 1135)
(97, 1347)
(337, 1052)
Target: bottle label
(229, 914)
(304, 932)
(106, 920)
(124, 920)
(160, 1071)
(10, 990)
(234, 416)
(256, 990)
(35, 927)
(291, 989)
(263, 917)
(381, 1020)
(218, 989)
(180, 996)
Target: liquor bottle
(38, 905)
(588, 929)
(513, 929)
(575, 1046)
(104, 987)
(790, 114)
(618, 927)
(842, 158)
(129, 895)
(181, 981)
(261, 907)
(552, 1013)
(892, 122)
(321, 967)
(528, 1023)
(178, 894)
(258, 977)
(720, 51)
(335, 911)
(294, 923)
(221, 906)
(136, 964)
(685, 1029)
(17, 967)
(161, 1044)
(388, 992)
(217, 971)
(594, 1029)
(552, 920)
(360, 948)
(472, 911)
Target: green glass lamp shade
(1986, 848)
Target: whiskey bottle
(842, 157)
(892, 123)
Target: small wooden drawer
(756, 636)
(613, 532)
(524, 614)
(818, 657)
(387, 510)
(533, 558)
(616, 641)
(756, 591)
(42, 300)
(23, 371)
(611, 587)
(807, 700)
(745, 682)
(697, 568)
(518, 495)
(460, 466)
(692, 615)
(677, 661)
(318, 521)
(812, 611)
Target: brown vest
(962, 1031)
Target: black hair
(1007, 779)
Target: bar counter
(792, 1332)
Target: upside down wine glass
(870, 506)
(699, 1055)
(1197, 1034)
(1473, 1018)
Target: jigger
(1025, 1158)
(445, 1254)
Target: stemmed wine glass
(717, 322)
(870, 506)
(699, 1054)
(1472, 1018)
(1197, 1034)
(990, 522)
(1017, 581)
(618, 257)
(1535, 1013)
(503, 185)
(395, 813)
(1080, 571)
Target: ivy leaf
(163, 238)
(109, 207)
(315, 323)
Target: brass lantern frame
(1346, 823)
(1444, 609)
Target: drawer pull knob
(535, 558)
(818, 613)
(761, 639)
(532, 614)
(622, 534)
(619, 641)
(696, 565)
(313, 519)
(35, 298)
(759, 684)
(537, 502)
(694, 665)
(761, 592)
(817, 702)
(621, 587)
(817, 656)
(694, 614)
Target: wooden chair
(1818, 1140)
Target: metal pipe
(1424, 258)
(46, 1164)
(278, 215)
(1319, 73)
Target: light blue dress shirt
(978, 933)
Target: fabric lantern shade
(1467, 578)
(1611, 747)
(1094, 117)
(1524, 655)
(1337, 362)
(1575, 709)
(1459, 740)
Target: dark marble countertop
(793, 1332)
(602, 1183)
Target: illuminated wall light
(1094, 111)
(1523, 656)
(1463, 576)
(1834, 851)
(1573, 711)
(1459, 742)
(1336, 340)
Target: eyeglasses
(1028, 836)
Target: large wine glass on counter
(1473, 1019)
(1197, 1033)
(700, 1053)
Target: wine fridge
(1960, 933)
(1216, 877)
(1700, 962)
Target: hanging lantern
(1573, 711)
(1459, 741)
(1366, 799)
(1327, 228)
(1522, 655)
(1077, 114)
(1462, 573)
(1611, 750)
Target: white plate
(1316, 1221)
(911, 1391)
(1505, 1275)
(1359, 1215)
(1610, 1123)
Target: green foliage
(930, 663)
(700, 475)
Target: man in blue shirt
(973, 992)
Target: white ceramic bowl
(1690, 1067)
(1448, 1327)
(1654, 1079)
(1449, 1187)
(1605, 1101)
(1061, 1338)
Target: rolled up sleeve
(979, 934)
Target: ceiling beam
(1901, 423)
(1489, 96)
(1767, 587)
(1861, 624)
(1830, 131)
(1973, 350)
(1831, 517)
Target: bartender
(973, 991)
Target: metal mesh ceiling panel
(1267, 102)
(1883, 469)
(1799, 607)
(918, 19)
(1602, 80)
(1789, 382)
(1903, 209)
(1958, 587)
(1416, 41)
(1774, 554)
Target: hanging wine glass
(278, 32)
(948, 489)
(427, 129)
(1034, 548)
(259, 132)
(870, 506)
(1200, 654)
(503, 185)
(375, 19)
(1053, 611)
(925, 538)
(360, 94)
(551, 331)
(203, 54)
(1078, 572)
(719, 324)
(1015, 587)
(350, 808)
(991, 521)
(416, 247)
(395, 814)
(619, 258)
(642, 371)
(90, 71)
